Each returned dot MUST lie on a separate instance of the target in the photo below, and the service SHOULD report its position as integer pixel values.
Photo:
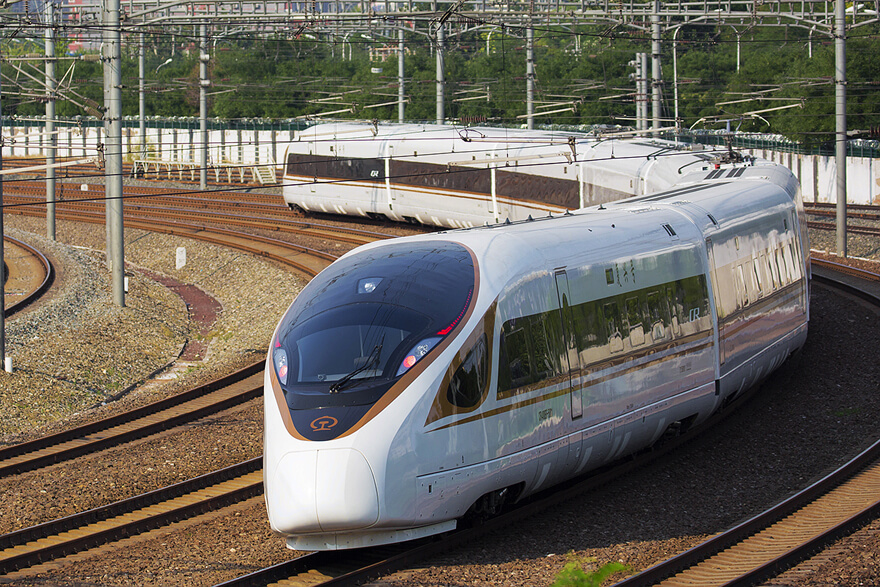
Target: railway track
(32, 546)
(188, 406)
(247, 211)
(29, 275)
(861, 211)
(45, 542)
(853, 229)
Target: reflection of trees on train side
(532, 349)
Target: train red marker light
(279, 356)
(417, 352)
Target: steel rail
(136, 212)
(85, 530)
(45, 284)
(252, 203)
(303, 259)
(868, 230)
(232, 390)
(852, 210)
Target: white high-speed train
(421, 379)
(462, 177)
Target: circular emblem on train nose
(324, 423)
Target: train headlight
(417, 352)
(279, 357)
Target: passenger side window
(468, 383)
(658, 316)
(634, 316)
(784, 277)
(614, 327)
(531, 350)
(742, 294)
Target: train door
(719, 306)
(572, 358)
(389, 193)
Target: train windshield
(365, 321)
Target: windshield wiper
(372, 361)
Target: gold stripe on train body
(395, 390)
(707, 342)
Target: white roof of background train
(620, 160)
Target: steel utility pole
(2, 237)
(441, 76)
(840, 116)
(50, 121)
(657, 82)
(400, 89)
(113, 148)
(530, 76)
(142, 98)
(204, 82)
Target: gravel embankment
(77, 348)
(815, 413)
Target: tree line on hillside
(784, 73)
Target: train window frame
(613, 326)
(756, 269)
(742, 294)
(635, 320)
(658, 316)
(473, 396)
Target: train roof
(676, 219)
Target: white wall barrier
(818, 176)
(235, 147)
(817, 173)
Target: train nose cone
(323, 491)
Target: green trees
(784, 82)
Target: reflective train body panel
(419, 379)
(463, 177)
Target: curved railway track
(230, 391)
(179, 216)
(850, 228)
(45, 542)
(31, 546)
(28, 276)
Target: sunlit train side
(420, 380)
(463, 177)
